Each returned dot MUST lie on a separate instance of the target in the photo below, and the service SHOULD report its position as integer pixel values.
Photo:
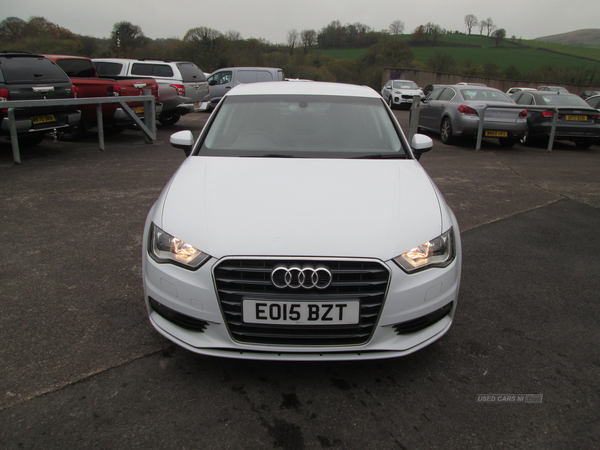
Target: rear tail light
(74, 91)
(180, 89)
(595, 116)
(112, 91)
(523, 114)
(4, 97)
(464, 109)
(547, 114)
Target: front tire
(390, 102)
(171, 119)
(446, 131)
(583, 144)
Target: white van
(223, 80)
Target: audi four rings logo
(297, 277)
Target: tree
(127, 37)
(418, 34)
(292, 39)
(308, 38)
(233, 35)
(489, 25)
(482, 25)
(432, 31)
(396, 27)
(11, 29)
(498, 35)
(470, 22)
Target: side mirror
(212, 82)
(420, 144)
(183, 140)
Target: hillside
(473, 50)
(585, 38)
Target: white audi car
(301, 227)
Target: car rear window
(31, 69)
(108, 69)
(77, 68)
(485, 95)
(154, 70)
(562, 99)
(190, 72)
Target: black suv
(26, 76)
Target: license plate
(43, 119)
(301, 313)
(496, 133)
(196, 105)
(138, 110)
(584, 118)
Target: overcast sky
(271, 20)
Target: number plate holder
(491, 133)
(345, 312)
(43, 119)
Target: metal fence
(148, 125)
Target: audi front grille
(239, 279)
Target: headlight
(438, 252)
(164, 248)
(396, 91)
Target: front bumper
(417, 309)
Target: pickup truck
(182, 86)
(87, 84)
(27, 76)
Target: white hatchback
(301, 227)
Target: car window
(155, 70)
(594, 102)
(435, 94)
(302, 126)
(447, 95)
(108, 69)
(489, 95)
(561, 100)
(221, 77)
(405, 85)
(31, 69)
(77, 68)
(526, 99)
(190, 72)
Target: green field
(508, 54)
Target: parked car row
(179, 87)
(454, 111)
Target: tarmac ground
(83, 368)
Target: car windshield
(561, 100)
(311, 126)
(405, 85)
(489, 95)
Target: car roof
(315, 88)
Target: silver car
(455, 111)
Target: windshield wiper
(382, 156)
